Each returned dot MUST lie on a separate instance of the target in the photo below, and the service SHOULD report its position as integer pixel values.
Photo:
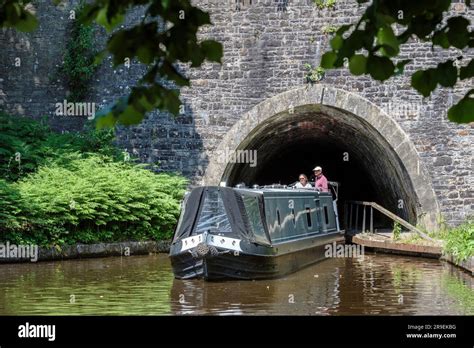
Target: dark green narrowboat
(254, 233)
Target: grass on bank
(457, 241)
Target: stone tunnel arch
(354, 141)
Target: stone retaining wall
(97, 250)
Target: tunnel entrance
(354, 142)
(348, 150)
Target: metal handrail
(372, 205)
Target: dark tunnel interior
(349, 150)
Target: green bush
(9, 207)
(75, 187)
(95, 199)
(26, 144)
(460, 241)
(20, 144)
(13, 223)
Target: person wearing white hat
(320, 181)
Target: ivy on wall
(325, 4)
(79, 59)
(314, 74)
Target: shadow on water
(144, 285)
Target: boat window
(255, 218)
(278, 218)
(326, 216)
(308, 217)
(213, 216)
(181, 215)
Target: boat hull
(276, 261)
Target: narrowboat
(252, 233)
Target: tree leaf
(99, 57)
(358, 64)
(441, 39)
(105, 121)
(400, 67)
(145, 54)
(463, 111)
(380, 68)
(458, 34)
(388, 40)
(108, 23)
(424, 82)
(212, 50)
(343, 28)
(467, 71)
(336, 42)
(27, 22)
(446, 74)
(328, 59)
(170, 72)
(130, 116)
(355, 42)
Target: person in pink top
(320, 181)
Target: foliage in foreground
(373, 43)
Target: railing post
(353, 226)
(350, 218)
(346, 206)
(363, 218)
(371, 219)
(357, 216)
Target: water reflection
(117, 285)
(144, 285)
(379, 284)
(313, 290)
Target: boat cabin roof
(280, 191)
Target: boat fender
(213, 250)
(202, 249)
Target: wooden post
(346, 206)
(400, 220)
(357, 216)
(350, 218)
(363, 218)
(371, 219)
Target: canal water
(144, 285)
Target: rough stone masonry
(266, 45)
